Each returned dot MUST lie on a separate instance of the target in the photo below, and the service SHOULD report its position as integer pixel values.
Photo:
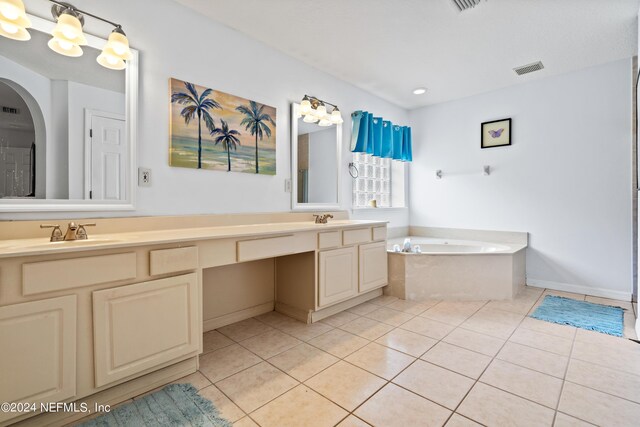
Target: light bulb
(305, 106)
(69, 33)
(324, 122)
(69, 28)
(111, 62)
(336, 116)
(10, 10)
(65, 44)
(310, 118)
(9, 28)
(64, 47)
(119, 49)
(13, 20)
(321, 111)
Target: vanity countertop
(42, 245)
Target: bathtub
(430, 245)
(456, 269)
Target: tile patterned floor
(390, 362)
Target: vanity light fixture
(13, 20)
(116, 51)
(315, 110)
(419, 91)
(67, 36)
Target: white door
(109, 157)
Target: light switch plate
(144, 177)
(287, 185)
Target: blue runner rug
(581, 314)
(174, 405)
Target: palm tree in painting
(257, 122)
(228, 138)
(196, 106)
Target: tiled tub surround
(485, 265)
(67, 308)
(398, 363)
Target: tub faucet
(322, 219)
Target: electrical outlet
(144, 177)
(287, 186)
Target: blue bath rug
(581, 314)
(174, 405)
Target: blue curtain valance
(381, 138)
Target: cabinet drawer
(165, 261)
(265, 248)
(379, 233)
(70, 273)
(38, 352)
(141, 326)
(330, 239)
(352, 237)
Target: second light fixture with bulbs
(315, 110)
(67, 36)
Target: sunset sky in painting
(228, 113)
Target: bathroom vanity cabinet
(103, 321)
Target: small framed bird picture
(496, 133)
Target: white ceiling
(390, 47)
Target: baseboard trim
(578, 289)
(297, 313)
(344, 305)
(236, 316)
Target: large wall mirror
(315, 158)
(67, 127)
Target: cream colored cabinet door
(337, 275)
(141, 326)
(37, 352)
(373, 266)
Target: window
(378, 179)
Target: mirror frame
(295, 205)
(131, 115)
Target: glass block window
(373, 181)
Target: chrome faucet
(74, 231)
(322, 219)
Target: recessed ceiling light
(419, 91)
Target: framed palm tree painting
(214, 130)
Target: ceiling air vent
(529, 68)
(465, 4)
(10, 110)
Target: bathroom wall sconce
(486, 170)
(315, 110)
(67, 36)
(439, 174)
(14, 21)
